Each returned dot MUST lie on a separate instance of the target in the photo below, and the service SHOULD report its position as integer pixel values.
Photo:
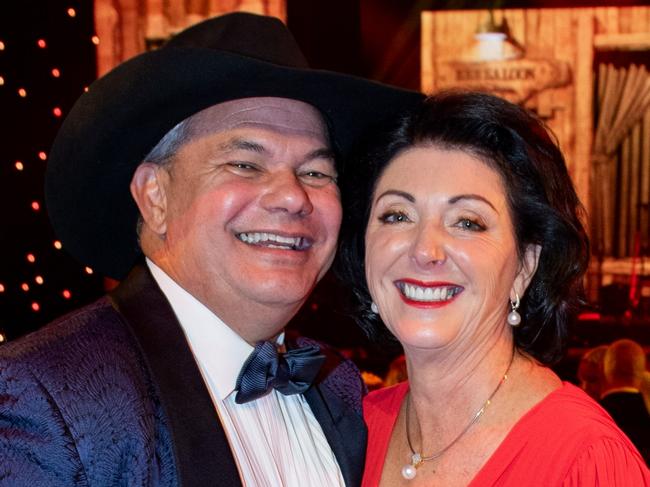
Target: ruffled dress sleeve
(608, 462)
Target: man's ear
(148, 190)
(527, 268)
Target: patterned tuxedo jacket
(111, 395)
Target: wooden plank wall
(566, 34)
(123, 26)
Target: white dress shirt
(276, 440)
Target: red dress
(565, 440)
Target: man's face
(252, 211)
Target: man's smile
(275, 241)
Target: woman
(472, 256)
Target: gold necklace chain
(409, 470)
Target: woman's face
(441, 255)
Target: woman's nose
(429, 246)
(285, 193)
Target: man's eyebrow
(472, 196)
(322, 153)
(242, 144)
(395, 192)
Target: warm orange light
(41, 43)
(19, 165)
(58, 245)
(24, 286)
(2, 46)
(56, 73)
(36, 306)
(2, 81)
(95, 40)
(42, 155)
(31, 258)
(72, 12)
(36, 205)
(39, 279)
(2, 288)
(88, 270)
(56, 111)
(22, 92)
(66, 294)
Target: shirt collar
(219, 351)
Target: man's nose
(286, 193)
(429, 246)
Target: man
(590, 371)
(226, 142)
(623, 369)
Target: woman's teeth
(429, 294)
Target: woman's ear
(527, 268)
(148, 190)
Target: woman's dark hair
(544, 207)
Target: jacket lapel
(341, 420)
(203, 455)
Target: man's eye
(470, 224)
(317, 178)
(242, 165)
(394, 217)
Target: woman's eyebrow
(460, 197)
(396, 192)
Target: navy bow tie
(290, 373)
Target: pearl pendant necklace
(410, 470)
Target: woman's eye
(394, 217)
(470, 224)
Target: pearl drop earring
(374, 308)
(514, 318)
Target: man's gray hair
(165, 150)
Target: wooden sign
(515, 80)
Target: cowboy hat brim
(124, 115)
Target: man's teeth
(271, 240)
(417, 293)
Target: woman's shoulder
(574, 416)
(571, 432)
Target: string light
(34, 87)
(2, 338)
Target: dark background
(378, 39)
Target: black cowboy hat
(124, 114)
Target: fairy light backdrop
(47, 58)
